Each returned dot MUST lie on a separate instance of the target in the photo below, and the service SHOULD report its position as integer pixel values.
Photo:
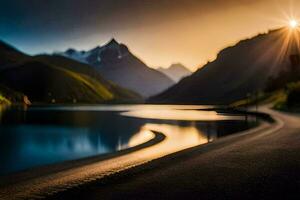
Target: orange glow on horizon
(191, 33)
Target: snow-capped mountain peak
(94, 56)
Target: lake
(40, 136)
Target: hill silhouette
(54, 79)
(9, 55)
(238, 71)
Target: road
(263, 164)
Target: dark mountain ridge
(238, 71)
(10, 55)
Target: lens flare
(293, 23)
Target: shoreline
(262, 164)
(41, 184)
(69, 164)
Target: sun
(293, 23)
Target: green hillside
(286, 98)
(55, 79)
(89, 71)
(44, 83)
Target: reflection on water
(123, 107)
(42, 136)
(139, 138)
(186, 136)
(179, 114)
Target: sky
(160, 32)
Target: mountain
(176, 72)
(238, 71)
(44, 83)
(121, 94)
(9, 55)
(56, 79)
(116, 63)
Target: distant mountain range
(176, 71)
(237, 72)
(101, 75)
(55, 79)
(116, 63)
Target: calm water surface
(46, 135)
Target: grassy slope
(44, 83)
(291, 98)
(120, 94)
(282, 99)
(263, 98)
(74, 81)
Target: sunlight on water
(143, 136)
(177, 139)
(180, 136)
(123, 107)
(49, 135)
(184, 115)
